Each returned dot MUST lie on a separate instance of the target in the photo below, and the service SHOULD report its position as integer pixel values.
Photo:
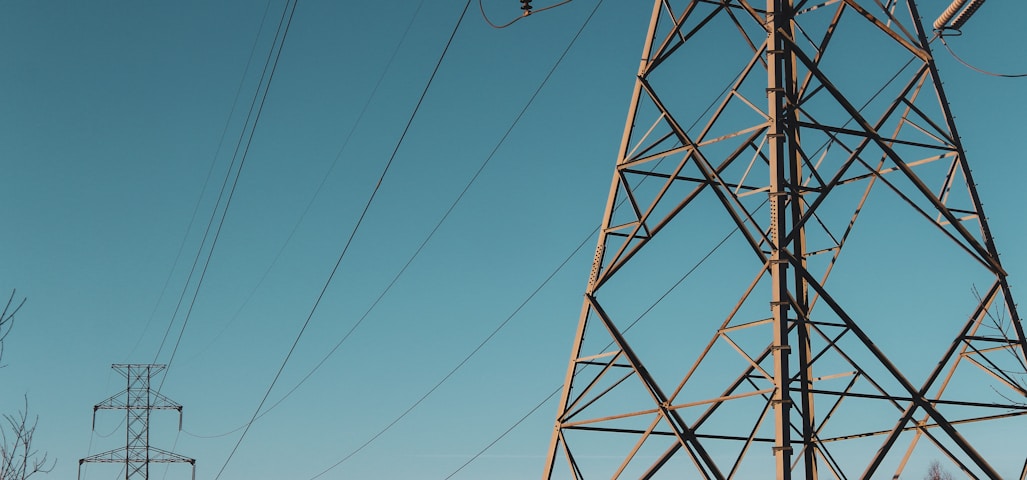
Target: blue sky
(113, 114)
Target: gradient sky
(113, 114)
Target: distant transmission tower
(761, 142)
(137, 400)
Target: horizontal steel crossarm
(959, 403)
(697, 180)
(635, 431)
(861, 133)
(158, 455)
(138, 407)
(924, 425)
(644, 157)
(160, 402)
(111, 456)
(602, 364)
(115, 402)
(823, 440)
(136, 455)
(669, 408)
(153, 368)
(157, 402)
(878, 172)
(637, 413)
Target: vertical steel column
(778, 61)
(128, 424)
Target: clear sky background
(112, 115)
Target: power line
(629, 327)
(192, 220)
(506, 432)
(467, 358)
(206, 181)
(256, 109)
(517, 310)
(527, 12)
(978, 70)
(231, 166)
(353, 233)
(430, 235)
(317, 192)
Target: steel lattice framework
(137, 400)
(761, 142)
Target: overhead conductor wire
(527, 12)
(240, 155)
(952, 20)
(255, 110)
(632, 324)
(206, 181)
(353, 233)
(517, 310)
(424, 242)
(978, 70)
(317, 192)
(192, 220)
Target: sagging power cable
(976, 69)
(950, 23)
(626, 329)
(517, 310)
(203, 189)
(313, 198)
(525, 7)
(352, 235)
(229, 185)
(424, 242)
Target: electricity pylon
(137, 400)
(761, 142)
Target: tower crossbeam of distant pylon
(724, 334)
(137, 400)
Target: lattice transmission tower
(137, 400)
(723, 332)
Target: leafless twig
(19, 458)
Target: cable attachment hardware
(942, 22)
(526, 6)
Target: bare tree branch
(7, 319)
(935, 472)
(18, 458)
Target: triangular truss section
(723, 333)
